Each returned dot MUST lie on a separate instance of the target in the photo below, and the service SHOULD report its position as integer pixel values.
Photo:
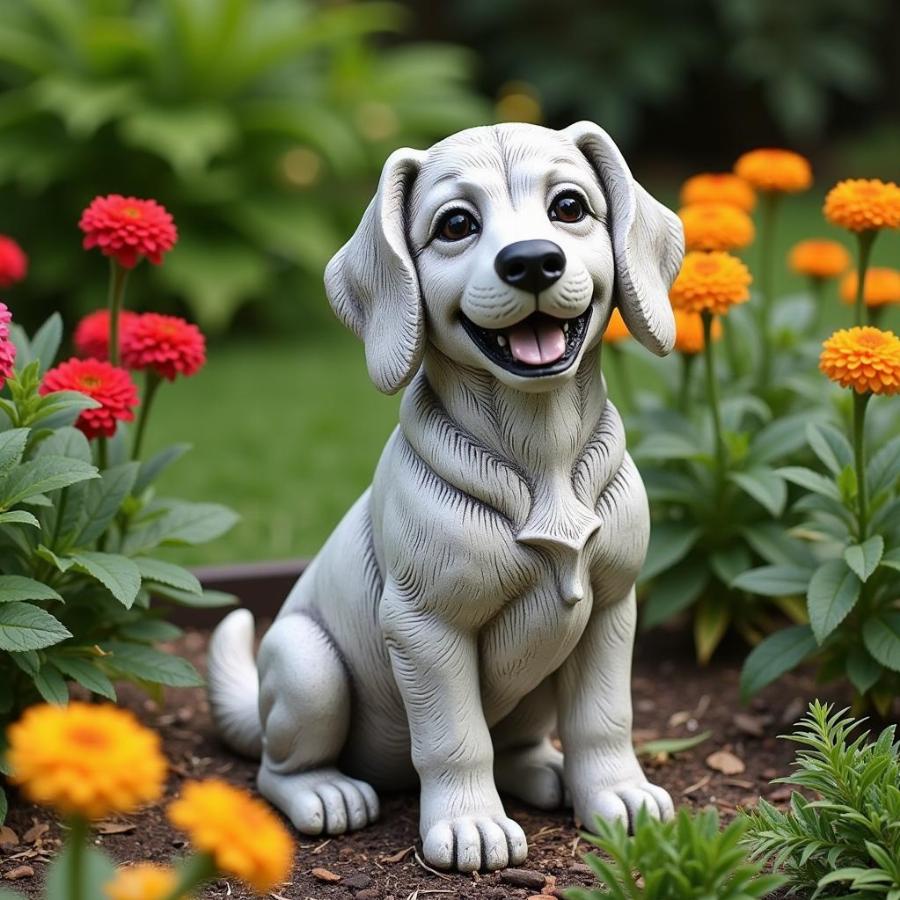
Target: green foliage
(260, 123)
(688, 857)
(83, 596)
(846, 842)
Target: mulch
(673, 697)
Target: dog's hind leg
(526, 765)
(304, 705)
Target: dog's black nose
(530, 265)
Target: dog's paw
(533, 775)
(473, 843)
(622, 802)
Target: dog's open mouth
(537, 345)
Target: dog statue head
(506, 247)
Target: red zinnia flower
(109, 385)
(7, 347)
(166, 344)
(13, 262)
(127, 229)
(92, 333)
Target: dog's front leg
(462, 821)
(594, 701)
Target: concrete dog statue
(480, 594)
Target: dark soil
(672, 698)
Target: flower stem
(712, 395)
(768, 218)
(151, 386)
(78, 831)
(118, 275)
(860, 401)
(623, 381)
(102, 453)
(865, 239)
(817, 290)
(684, 394)
(191, 874)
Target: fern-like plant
(688, 857)
(846, 842)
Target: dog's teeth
(501, 340)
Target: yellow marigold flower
(689, 331)
(882, 286)
(244, 837)
(616, 329)
(819, 258)
(84, 759)
(779, 171)
(144, 881)
(715, 226)
(863, 358)
(718, 187)
(710, 282)
(863, 204)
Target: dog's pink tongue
(537, 342)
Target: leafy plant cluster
(688, 857)
(83, 590)
(261, 121)
(845, 842)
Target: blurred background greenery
(262, 126)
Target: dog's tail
(233, 685)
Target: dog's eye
(568, 208)
(455, 225)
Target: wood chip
(325, 875)
(524, 878)
(8, 838)
(19, 872)
(35, 833)
(693, 788)
(114, 827)
(726, 762)
(399, 856)
(752, 725)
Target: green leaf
(4, 808)
(778, 439)
(881, 635)
(156, 570)
(67, 441)
(832, 448)
(672, 745)
(29, 661)
(26, 627)
(46, 341)
(728, 562)
(764, 486)
(777, 654)
(668, 445)
(182, 523)
(86, 673)
(682, 585)
(883, 469)
(19, 517)
(156, 465)
(891, 560)
(862, 670)
(776, 546)
(812, 481)
(118, 574)
(97, 871)
(18, 587)
(52, 686)
(40, 475)
(150, 631)
(12, 446)
(774, 581)
(670, 542)
(104, 498)
(711, 621)
(833, 591)
(206, 600)
(148, 664)
(864, 558)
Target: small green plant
(684, 858)
(846, 842)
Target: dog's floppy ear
(372, 283)
(647, 239)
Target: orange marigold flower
(244, 837)
(778, 171)
(716, 226)
(91, 336)
(710, 282)
(167, 345)
(13, 262)
(882, 286)
(819, 258)
(863, 358)
(128, 229)
(144, 881)
(7, 347)
(109, 385)
(718, 187)
(689, 332)
(863, 204)
(616, 329)
(85, 759)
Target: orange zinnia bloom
(819, 258)
(777, 171)
(616, 329)
(718, 187)
(863, 358)
(710, 282)
(863, 204)
(715, 226)
(882, 286)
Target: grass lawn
(288, 432)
